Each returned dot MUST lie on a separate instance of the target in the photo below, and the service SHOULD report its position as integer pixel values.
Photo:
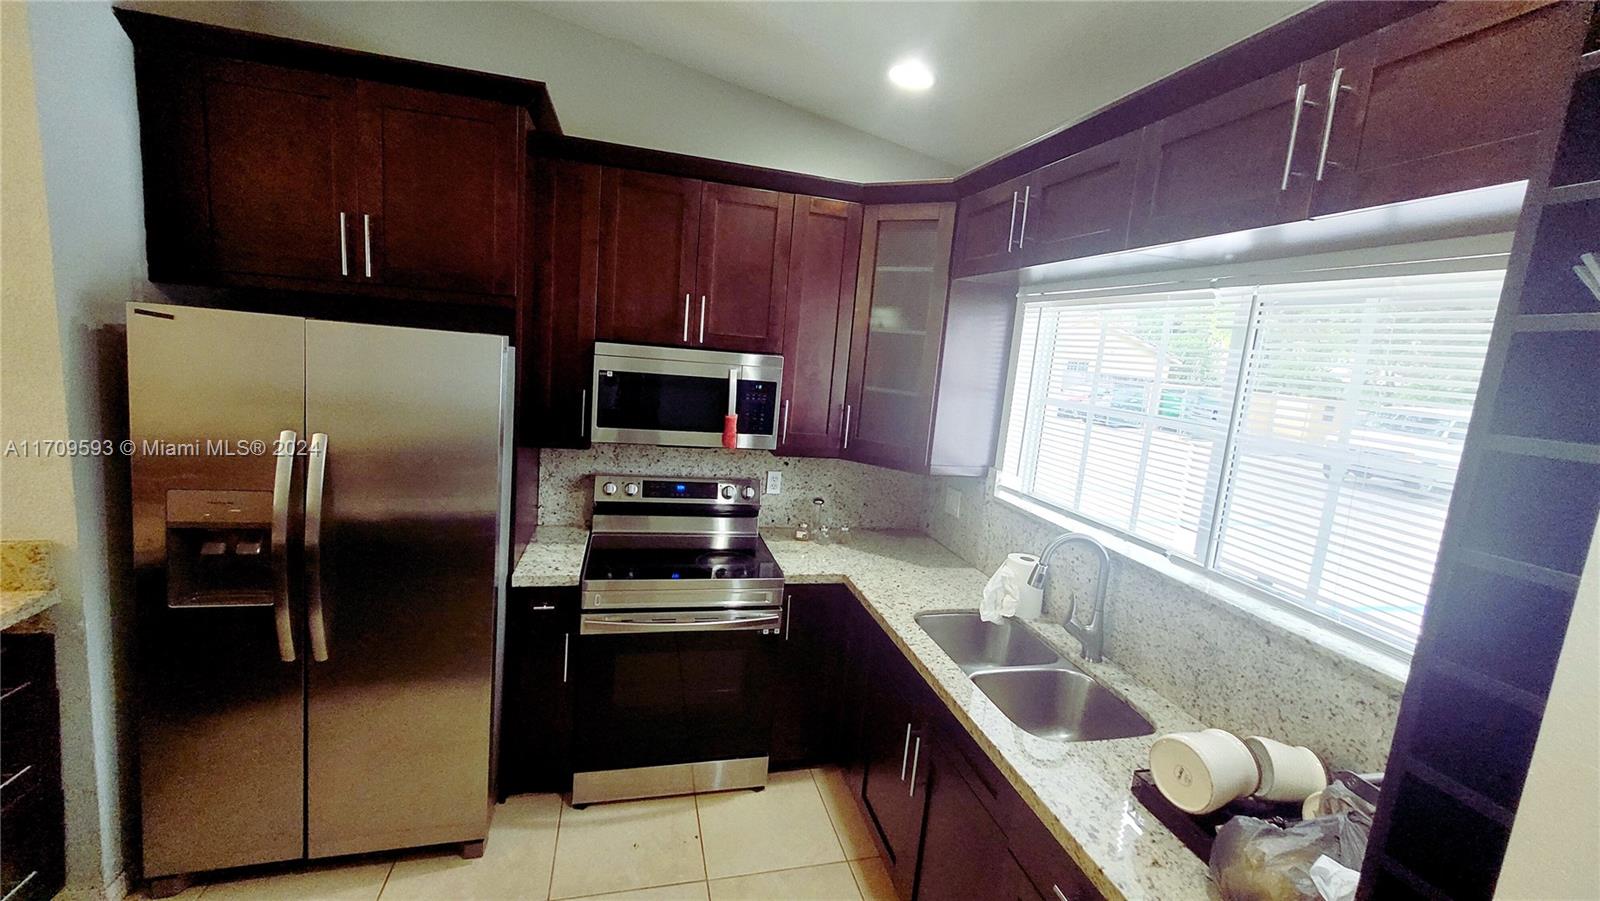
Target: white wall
(1555, 841)
(89, 132)
(602, 88)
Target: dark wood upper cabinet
(557, 332)
(649, 237)
(1242, 160)
(816, 338)
(1449, 99)
(440, 182)
(278, 164)
(248, 171)
(743, 275)
(901, 286)
(986, 229)
(1079, 206)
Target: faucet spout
(1091, 635)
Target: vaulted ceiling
(1007, 72)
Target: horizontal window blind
(1300, 436)
(1355, 403)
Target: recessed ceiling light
(911, 74)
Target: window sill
(1383, 665)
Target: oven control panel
(610, 489)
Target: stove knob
(630, 489)
(609, 488)
(727, 491)
(748, 492)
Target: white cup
(1202, 771)
(1288, 772)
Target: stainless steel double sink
(1032, 684)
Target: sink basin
(1061, 704)
(975, 644)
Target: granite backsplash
(857, 495)
(1227, 667)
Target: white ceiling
(1007, 72)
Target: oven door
(683, 402)
(671, 702)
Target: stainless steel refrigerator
(320, 538)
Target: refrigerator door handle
(316, 472)
(283, 473)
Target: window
(1299, 435)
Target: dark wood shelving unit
(1521, 520)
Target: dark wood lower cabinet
(32, 834)
(536, 706)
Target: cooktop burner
(678, 558)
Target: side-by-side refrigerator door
(402, 505)
(211, 394)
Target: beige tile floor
(802, 838)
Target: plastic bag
(1258, 860)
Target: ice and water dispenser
(219, 548)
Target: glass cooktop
(615, 557)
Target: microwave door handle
(279, 539)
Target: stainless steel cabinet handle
(282, 475)
(1011, 236)
(1022, 233)
(788, 613)
(1294, 134)
(916, 753)
(316, 474)
(905, 753)
(566, 647)
(1059, 893)
(15, 776)
(366, 242)
(18, 887)
(344, 249)
(583, 412)
(1334, 87)
(702, 319)
(686, 319)
(784, 438)
(847, 426)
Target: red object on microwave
(730, 431)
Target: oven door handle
(731, 621)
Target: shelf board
(1485, 684)
(1516, 569)
(1573, 193)
(899, 392)
(1556, 322)
(902, 268)
(1549, 449)
(1480, 803)
(910, 332)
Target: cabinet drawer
(31, 834)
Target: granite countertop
(16, 606)
(1079, 789)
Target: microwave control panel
(757, 405)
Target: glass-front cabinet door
(903, 280)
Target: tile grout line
(837, 835)
(555, 845)
(700, 836)
(386, 874)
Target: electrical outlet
(774, 481)
(952, 502)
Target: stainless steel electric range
(681, 612)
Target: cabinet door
(558, 336)
(1449, 99)
(649, 229)
(825, 251)
(964, 853)
(897, 765)
(440, 189)
(809, 680)
(536, 711)
(743, 271)
(279, 196)
(1242, 160)
(986, 229)
(901, 288)
(1079, 206)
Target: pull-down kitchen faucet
(1093, 633)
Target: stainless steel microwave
(682, 397)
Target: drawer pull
(1060, 895)
(13, 690)
(15, 776)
